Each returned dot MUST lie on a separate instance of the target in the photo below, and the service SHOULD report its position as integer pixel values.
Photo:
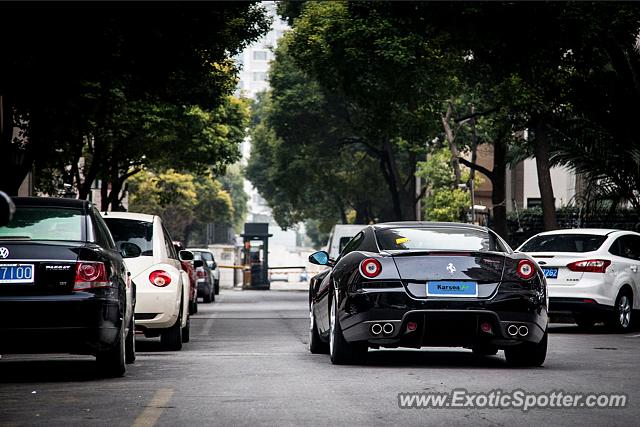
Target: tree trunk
(498, 192)
(385, 166)
(455, 163)
(541, 150)
(15, 164)
(104, 195)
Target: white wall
(563, 182)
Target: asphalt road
(247, 364)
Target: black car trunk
(54, 267)
(416, 269)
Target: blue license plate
(452, 288)
(16, 273)
(551, 273)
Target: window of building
(260, 55)
(260, 76)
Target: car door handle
(634, 268)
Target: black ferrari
(415, 284)
(64, 287)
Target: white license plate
(16, 273)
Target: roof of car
(128, 215)
(596, 231)
(426, 224)
(51, 201)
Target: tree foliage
(184, 201)
(404, 74)
(108, 82)
(304, 161)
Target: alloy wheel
(311, 324)
(332, 326)
(624, 311)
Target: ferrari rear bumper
(392, 318)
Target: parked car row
(73, 280)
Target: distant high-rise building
(254, 78)
(255, 59)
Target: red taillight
(526, 270)
(590, 265)
(200, 273)
(90, 275)
(370, 268)
(159, 278)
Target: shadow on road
(433, 359)
(576, 330)
(42, 371)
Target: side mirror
(212, 265)
(130, 250)
(198, 263)
(7, 209)
(185, 255)
(320, 258)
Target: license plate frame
(452, 288)
(548, 270)
(13, 274)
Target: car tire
(217, 286)
(485, 350)
(527, 354)
(210, 297)
(342, 352)
(171, 338)
(584, 321)
(186, 331)
(622, 318)
(193, 307)
(112, 363)
(130, 343)
(316, 345)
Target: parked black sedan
(63, 285)
(412, 284)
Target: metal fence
(528, 222)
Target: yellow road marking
(150, 416)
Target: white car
(594, 274)
(162, 286)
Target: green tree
(390, 75)
(547, 62)
(306, 160)
(233, 183)
(73, 100)
(445, 201)
(185, 202)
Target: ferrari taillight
(590, 265)
(370, 268)
(525, 270)
(90, 275)
(159, 278)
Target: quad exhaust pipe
(379, 328)
(515, 330)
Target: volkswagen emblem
(4, 252)
(451, 268)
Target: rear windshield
(437, 239)
(40, 223)
(564, 243)
(132, 231)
